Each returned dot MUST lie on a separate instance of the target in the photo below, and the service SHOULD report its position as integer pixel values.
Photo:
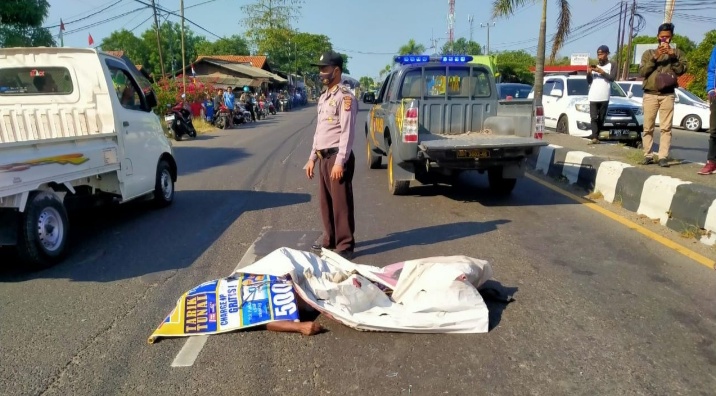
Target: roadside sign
(579, 59)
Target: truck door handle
(125, 123)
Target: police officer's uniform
(333, 143)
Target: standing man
(660, 68)
(600, 78)
(710, 167)
(333, 148)
(229, 99)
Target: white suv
(690, 111)
(566, 109)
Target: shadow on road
(192, 159)
(117, 242)
(426, 236)
(497, 297)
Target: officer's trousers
(336, 200)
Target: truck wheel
(44, 228)
(374, 161)
(396, 187)
(563, 125)
(498, 184)
(164, 186)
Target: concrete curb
(680, 205)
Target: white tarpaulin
(430, 295)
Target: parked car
(513, 90)
(690, 111)
(566, 110)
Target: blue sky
(369, 31)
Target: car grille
(619, 113)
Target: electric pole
(159, 41)
(183, 56)
(627, 61)
(620, 36)
(669, 10)
(487, 25)
(470, 20)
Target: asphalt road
(599, 308)
(687, 145)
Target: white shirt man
(600, 78)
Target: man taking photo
(600, 78)
(710, 167)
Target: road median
(677, 196)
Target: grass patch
(634, 157)
(618, 200)
(202, 126)
(691, 232)
(595, 195)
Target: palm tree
(503, 8)
(412, 48)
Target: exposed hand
(599, 70)
(337, 172)
(309, 168)
(670, 52)
(712, 94)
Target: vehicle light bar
(412, 59)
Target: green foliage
(171, 47)
(698, 63)
(683, 43)
(135, 48)
(234, 45)
(21, 23)
(411, 48)
(462, 46)
(169, 93)
(268, 25)
(367, 83)
(514, 66)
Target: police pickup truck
(438, 116)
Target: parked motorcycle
(221, 118)
(271, 107)
(178, 121)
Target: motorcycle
(271, 107)
(241, 115)
(221, 118)
(178, 121)
(261, 111)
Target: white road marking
(194, 344)
(656, 196)
(607, 178)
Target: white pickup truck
(73, 123)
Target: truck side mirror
(556, 92)
(151, 99)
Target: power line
(101, 22)
(87, 16)
(186, 19)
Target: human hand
(309, 168)
(337, 172)
(599, 70)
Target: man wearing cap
(333, 149)
(600, 78)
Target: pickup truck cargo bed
(430, 142)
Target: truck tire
(164, 185)
(396, 187)
(44, 228)
(498, 184)
(563, 125)
(374, 160)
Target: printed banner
(237, 302)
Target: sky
(371, 31)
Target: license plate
(473, 153)
(621, 132)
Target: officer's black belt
(327, 153)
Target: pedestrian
(710, 167)
(333, 148)
(600, 78)
(229, 103)
(208, 106)
(660, 69)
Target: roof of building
(255, 61)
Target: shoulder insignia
(345, 89)
(347, 103)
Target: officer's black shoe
(317, 247)
(346, 254)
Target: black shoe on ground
(346, 254)
(647, 161)
(664, 163)
(317, 247)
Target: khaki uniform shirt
(337, 112)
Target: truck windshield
(441, 81)
(579, 86)
(35, 80)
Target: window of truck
(35, 81)
(454, 82)
(125, 87)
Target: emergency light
(412, 59)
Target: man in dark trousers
(710, 167)
(333, 148)
(600, 78)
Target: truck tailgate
(436, 142)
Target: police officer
(333, 149)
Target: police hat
(330, 58)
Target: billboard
(580, 59)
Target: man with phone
(710, 167)
(661, 69)
(600, 78)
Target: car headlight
(638, 111)
(582, 107)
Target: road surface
(599, 308)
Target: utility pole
(487, 25)
(669, 10)
(627, 61)
(620, 36)
(451, 24)
(470, 20)
(183, 56)
(159, 41)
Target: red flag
(90, 39)
(62, 25)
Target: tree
(171, 46)
(514, 66)
(682, 42)
(698, 63)
(234, 45)
(268, 24)
(411, 48)
(384, 71)
(462, 46)
(503, 8)
(124, 40)
(366, 82)
(21, 23)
